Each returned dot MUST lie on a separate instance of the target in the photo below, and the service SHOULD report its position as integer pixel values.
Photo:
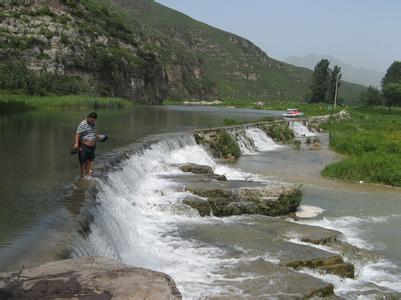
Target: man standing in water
(85, 143)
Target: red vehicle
(293, 112)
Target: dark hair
(92, 115)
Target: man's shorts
(86, 153)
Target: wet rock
(236, 197)
(259, 242)
(274, 282)
(87, 278)
(305, 233)
(198, 203)
(196, 169)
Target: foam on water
(300, 130)
(139, 214)
(261, 140)
(371, 278)
(139, 211)
(351, 227)
(308, 211)
(253, 140)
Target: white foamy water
(308, 211)
(300, 130)
(372, 281)
(139, 211)
(139, 215)
(351, 227)
(253, 140)
(261, 140)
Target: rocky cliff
(135, 49)
(89, 47)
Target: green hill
(137, 49)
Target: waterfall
(252, 140)
(139, 211)
(300, 130)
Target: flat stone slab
(236, 197)
(305, 233)
(258, 243)
(264, 278)
(87, 278)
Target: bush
(297, 144)
(228, 146)
(17, 77)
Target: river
(136, 218)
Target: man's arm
(76, 145)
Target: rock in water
(196, 169)
(87, 278)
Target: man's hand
(76, 146)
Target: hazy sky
(365, 33)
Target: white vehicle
(292, 113)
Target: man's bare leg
(89, 166)
(82, 169)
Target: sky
(365, 33)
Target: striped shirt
(86, 131)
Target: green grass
(11, 102)
(371, 144)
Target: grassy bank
(371, 143)
(11, 102)
(308, 109)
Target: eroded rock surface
(87, 278)
(237, 197)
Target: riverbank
(370, 140)
(309, 109)
(15, 102)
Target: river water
(137, 217)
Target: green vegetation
(325, 82)
(371, 143)
(309, 109)
(12, 102)
(371, 97)
(231, 67)
(16, 76)
(391, 85)
(232, 122)
(297, 144)
(227, 145)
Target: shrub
(17, 77)
(227, 145)
(297, 144)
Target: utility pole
(335, 96)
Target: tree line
(326, 81)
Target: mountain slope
(136, 49)
(87, 46)
(358, 75)
(238, 67)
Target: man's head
(91, 118)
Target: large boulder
(87, 278)
(196, 169)
(236, 197)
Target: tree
(324, 82)
(371, 97)
(319, 81)
(332, 84)
(392, 95)
(393, 74)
